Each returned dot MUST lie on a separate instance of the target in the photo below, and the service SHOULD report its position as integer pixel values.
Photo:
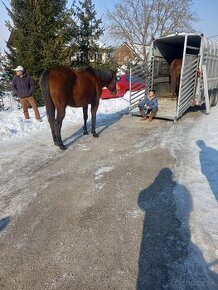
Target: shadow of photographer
(168, 259)
(209, 165)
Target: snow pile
(12, 123)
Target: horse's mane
(102, 75)
(90, 70)
(96, 72)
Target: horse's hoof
(85, 133)
(62, 147)
(56, 143)
(95, 135)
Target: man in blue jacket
(23, 87)
(149, 106)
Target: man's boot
(144, 117)
(152, 115)
(142, 112)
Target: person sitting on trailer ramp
(148, 107)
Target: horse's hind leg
(94, 108)
(85, 117)
(173, 85)
(177, 86)
(51, 120)
(58, 124)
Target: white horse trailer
(198, 80)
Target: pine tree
(88, 30)
(43, 31)
(4, 77)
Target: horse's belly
(78, 101)
(82, 98)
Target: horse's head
(112, 83)
(106, 78)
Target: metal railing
(188, 84)
(140, 82)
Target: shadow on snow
(104, 122)
(168, 259)
(209, 165)
(4, 223)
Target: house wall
(123, 54)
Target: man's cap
(19, 68)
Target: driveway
(104, 214)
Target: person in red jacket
(23, 87)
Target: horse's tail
(50, 108)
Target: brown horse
(175, 72)
(62, 86)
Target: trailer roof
(178, 39)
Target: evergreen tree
(4, 77)
(42, 35)
(88, 30)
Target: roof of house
(137, 49)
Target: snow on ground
(12, 123)
(193, 142)
(195, 146)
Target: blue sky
(207, 12)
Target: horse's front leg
(53, 133)
(94, 108)
(173, 85)
(85, 117)
(58, 124)
(52, 126)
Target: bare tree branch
(139, 21)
